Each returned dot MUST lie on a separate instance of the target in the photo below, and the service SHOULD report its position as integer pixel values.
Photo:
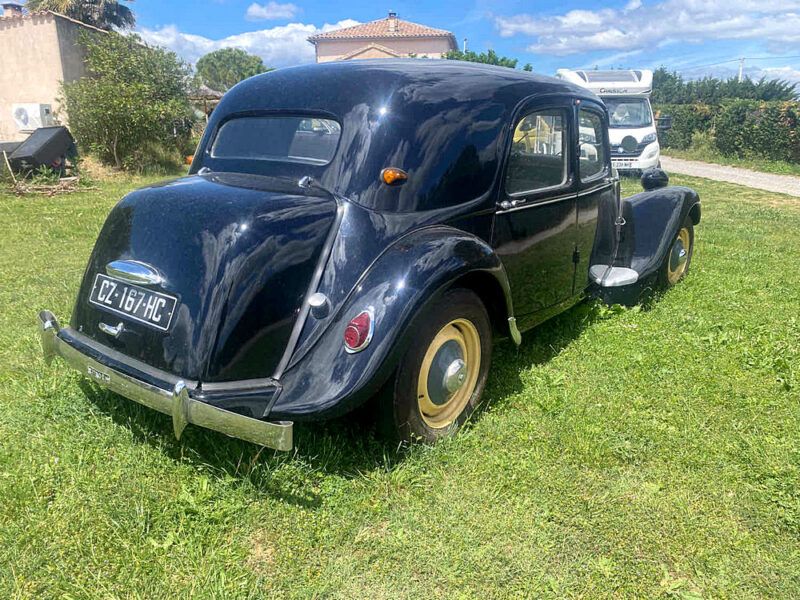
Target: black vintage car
(364, 228)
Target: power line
(737, 60)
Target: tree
(487, 58)
(670, 88)
(105, 14)
(134, 103)
(222, 69)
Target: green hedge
(686, 119)
(747, 128)
(741, 128)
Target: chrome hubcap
(447, 373)
(678, 256)
(455, 375)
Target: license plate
(137, 303)
(621, 164)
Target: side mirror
(664, 123)
(652, 179)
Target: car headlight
(650, 137)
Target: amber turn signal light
(394, 176)
(189, 160)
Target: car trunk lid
(236, 252)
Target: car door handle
(112, 331)
(507, 204)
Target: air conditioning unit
(29, 117)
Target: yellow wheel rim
(679, 256)
(449, 373)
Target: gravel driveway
(784, 184)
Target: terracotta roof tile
(381, 29)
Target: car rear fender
(328, 380)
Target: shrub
(747, 128)
(686, 120)
(135, 96)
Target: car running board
(606, 276)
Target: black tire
(402, 416)
(670, 272)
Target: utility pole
(741, 68)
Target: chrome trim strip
(305, 307)
(534, 203)
(566, 182)
(134, 271)
(175, 402)
(592, 190)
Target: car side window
(538, 158)
(591, 137)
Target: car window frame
(545, 193)
(606, 170)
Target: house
(38, 51)
(391, 37)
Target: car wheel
(679, 256)
(441, 376)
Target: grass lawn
(642, 453)
(710, 155)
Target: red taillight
(359, 332)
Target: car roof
(357, 81)
(443, 122)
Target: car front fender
(327, 380)
(652, 220)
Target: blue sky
(686, 35)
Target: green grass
(711, 155)
(647, 453)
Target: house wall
(73, 55)
(37, 53)
(328, 50)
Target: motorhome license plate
(621, 164)
(137, 303)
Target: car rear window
(284, 138)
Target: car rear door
(536, 220)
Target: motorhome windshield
(628, 112)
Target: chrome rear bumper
(175, 402)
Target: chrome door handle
(506, 204)
(112, 331)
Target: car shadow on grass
(347, 447)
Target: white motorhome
(632, 129)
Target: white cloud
(787, 73)
(270, 10)
(643, 27)
(755, 73)
(279, 46)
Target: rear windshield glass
(289, 139)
